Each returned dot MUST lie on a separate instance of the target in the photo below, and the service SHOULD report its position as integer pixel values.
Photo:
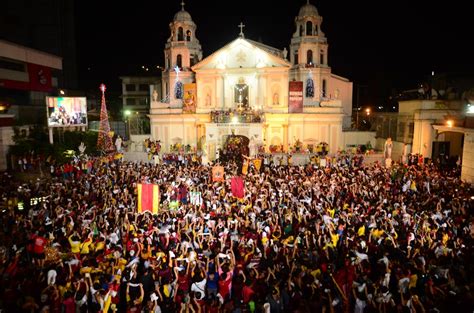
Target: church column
(219, 92)
(285, 136)
(223, 92)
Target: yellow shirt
(75, 245)
(85, 246)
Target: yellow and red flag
(148, 198)
(258, 164)
(245, 167)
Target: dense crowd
(341, 238)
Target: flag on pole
(237, 186)
(217, 173)
(148, 198)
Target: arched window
(309, 28)
(188, 35)
(301, 30)
(178, 90)
(309, 57)
(180, 34)
(324, 89)
(316, 29)
(296, 57)
(193, 59)
(309, 88)
(321, 58)
(179, 61)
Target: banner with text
(295, 99)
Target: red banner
(40, 79)
(237, 186)
(295, 99)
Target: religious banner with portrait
(295, 99)
(189, 99)
(217, 173)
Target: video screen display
(66, 111)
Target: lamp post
(127, 114)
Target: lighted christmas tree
(104, 141)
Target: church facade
(273, 97)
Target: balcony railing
(237, 116)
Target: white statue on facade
(118, 144)
(404, 153)
(155, 95)
(285, 53)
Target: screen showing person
(66, 111)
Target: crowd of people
(346, 237)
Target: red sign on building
(295, 99)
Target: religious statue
(208, 100)
(285, 53)
(336, 93)
(118, 144)
(155, 95)
(252, 147)
(82, 148)
(276, 99)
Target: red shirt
(39, 244)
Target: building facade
(138, 91)
(27, 76)
(251, 89)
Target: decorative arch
(179, 61)
(309, 56)
(188, 35)
(309, 88)
(309, 28)
(178, 90)
(276, 94)
(180, 34)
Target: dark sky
(383, 44)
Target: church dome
(182, 16)
(308, 10)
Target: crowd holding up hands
(346, 237)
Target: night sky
(384, 45)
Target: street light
(127, 113)
(367, 111)
(449, 123)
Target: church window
(309, 88)
(324, 89)
(309, 28)
(321, 58)
(193, 59)
(316, 29)
(309, 57)
(301, 30)
(296, 57)
(179, 61)
(180, 34)
(188, 35)
(178, 90)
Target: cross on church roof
(182, 5)
(241, 29)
